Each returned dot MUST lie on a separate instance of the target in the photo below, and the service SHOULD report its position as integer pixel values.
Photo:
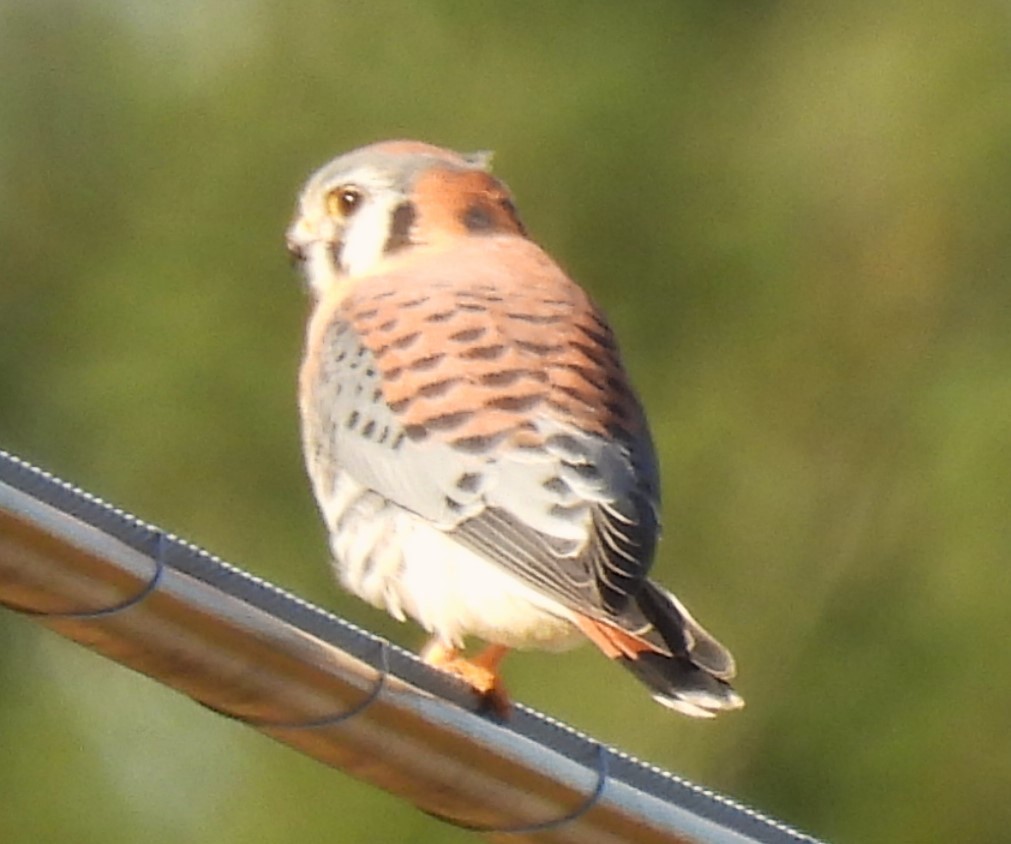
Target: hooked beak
(297, 239)
(296, 252)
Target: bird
(478, 454)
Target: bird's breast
(399, 562)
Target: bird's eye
(343, 201)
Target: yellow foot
(480, 673)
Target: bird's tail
(670, 652)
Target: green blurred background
(798, 215)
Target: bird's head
(374, 204)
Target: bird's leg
(480, 673)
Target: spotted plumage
(480, 458)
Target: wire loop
(132, 601)
(553, 823)
(326, 720)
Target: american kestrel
(479, 457)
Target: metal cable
(255, 653)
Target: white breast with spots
(401, 563)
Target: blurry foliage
(798, 216)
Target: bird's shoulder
(496, 321)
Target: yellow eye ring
(343, 201)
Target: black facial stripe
(336, 248)
(400, 227)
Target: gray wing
(569, 512)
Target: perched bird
(479, 457)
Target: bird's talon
(480, 673)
